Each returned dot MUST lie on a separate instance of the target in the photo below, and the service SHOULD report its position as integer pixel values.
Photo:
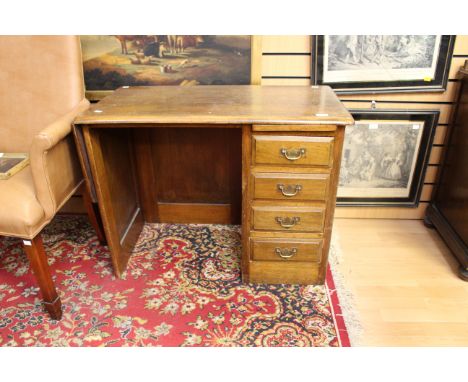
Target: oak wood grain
(232, 104)
(111, 157)
(146, 175)
(313, 128)
(285, 235)
(331, 200)
(275, 272)
(308, 219)
(317, 151)
(195, 213)
(189, 143)
(246, 200)
(196, 165)
(274, 249)
(280, 186)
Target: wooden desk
(267, 157)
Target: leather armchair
(41, 93)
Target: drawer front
(293, 150)
(275, 272)
(292, 219)
(286, 250)
(291, 186)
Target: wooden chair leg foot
(94, 216)
(38, 260)
(54, 308)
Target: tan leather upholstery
(21, 212)
(42, 90)
(40, 80)
(55, 168)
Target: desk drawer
(290, 186)
(293, 150)
(286, 250)
(289, 219)
(275, 272)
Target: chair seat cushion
(21, 214)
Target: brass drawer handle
(293, 154)
(285, 253)
(288, 222)
(289, 190)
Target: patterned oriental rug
(182, 288)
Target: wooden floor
(405, 284)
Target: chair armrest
(58, 129)
(54, 163)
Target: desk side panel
(84, 161)
(111, 159)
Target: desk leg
(235, 178)
(94, 216)
(111, 158)
(246, 200)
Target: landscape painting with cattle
(113, 61)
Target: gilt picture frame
(385, 156)
(353, 64)
(113, 61)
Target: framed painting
(110, 62)
(382, 63)
(385, 155)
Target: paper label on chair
(27, 242)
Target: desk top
(219, 104)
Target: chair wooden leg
(94, 216)
(38, 260)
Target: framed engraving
(385, 155)
(113, 61)
(382, 63)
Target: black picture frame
(430, 119)
(435, 84)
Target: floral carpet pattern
(182, 287)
